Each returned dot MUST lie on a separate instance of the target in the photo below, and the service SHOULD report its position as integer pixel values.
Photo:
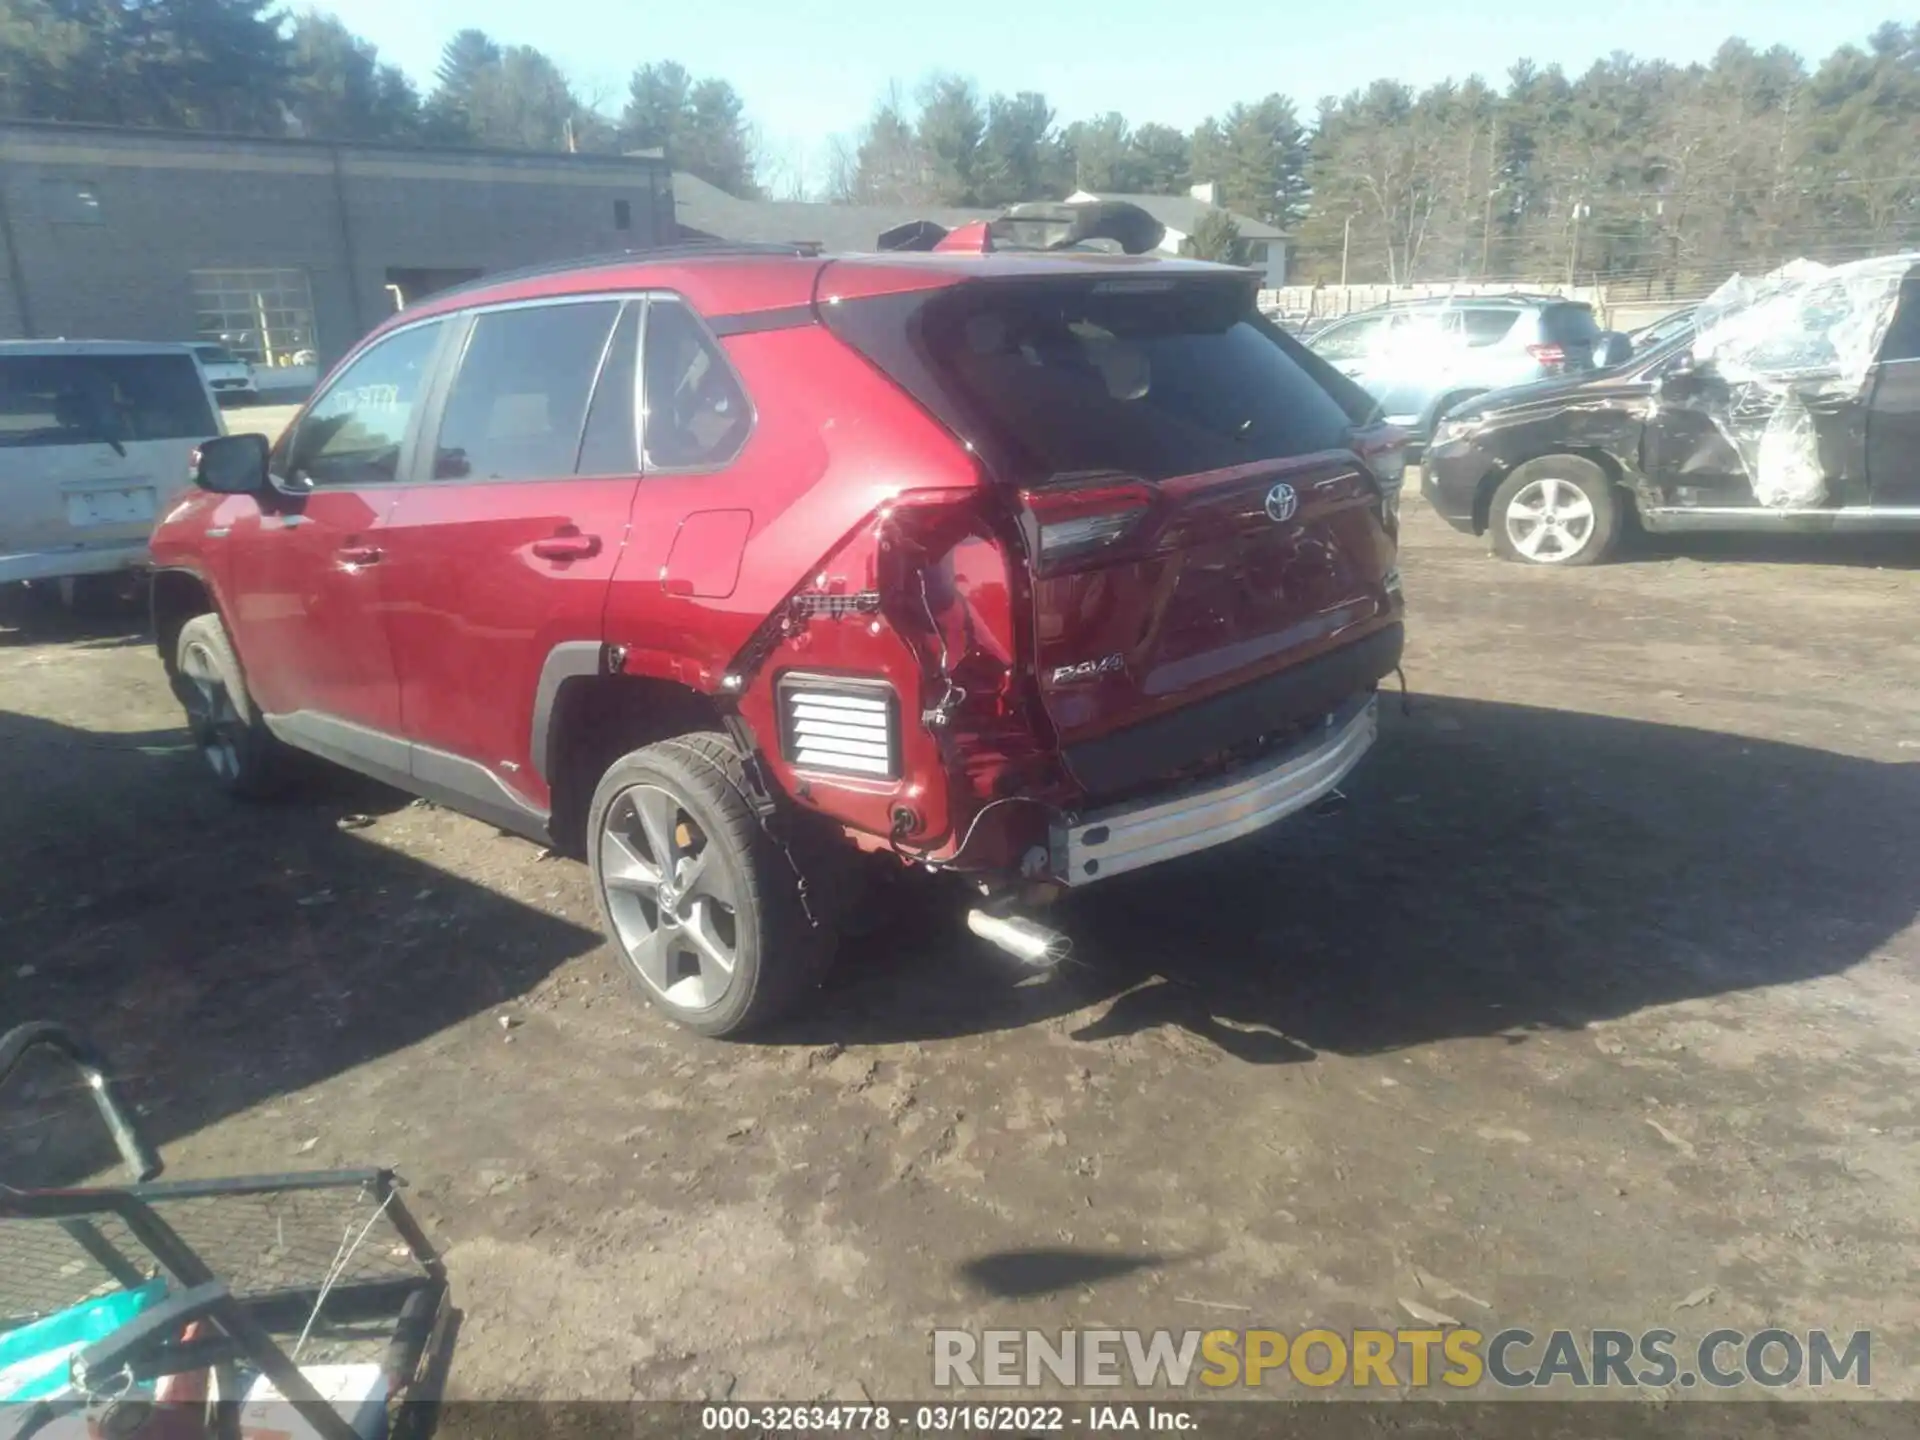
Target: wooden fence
(1623, 311)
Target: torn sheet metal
(1780, 355)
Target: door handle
(567, 547)
(357, 555)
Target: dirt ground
(1598, 1003)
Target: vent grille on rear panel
(840, 726)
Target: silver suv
(95, 435)
(1421, 358)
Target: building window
(622, 215)
(264, 316)
(71, 202)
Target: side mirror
(1681, 375)
(232, 464)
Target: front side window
(1349, 341)
(519, 401)
(696, 413)
(354, 433)
(102, 400)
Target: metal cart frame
(122, 1239)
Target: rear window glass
(216, 355)
(1078, 380)
(101, 399)
(1487, 327)
(1560, 323)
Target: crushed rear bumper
(1103, 843)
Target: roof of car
(726, 279)
(1516, 300)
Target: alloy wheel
(1550, 521)
(671, 897)
(212, 717)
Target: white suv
(228, 376)
(93, 435)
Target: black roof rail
(682, 250)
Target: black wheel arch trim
(155, 578)
(569, 660)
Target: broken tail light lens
(1075, 521)
(1553, 357)
(1383, 450)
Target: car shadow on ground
(35, 615)
(1502, 870)
(220, 954)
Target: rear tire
(242, 753)
(701, 903)
(1557, 510)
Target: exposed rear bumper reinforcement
(1123, 760)
(1109, 842)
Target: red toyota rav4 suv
(728, 566)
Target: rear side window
(1903, 336)
(519, 400)
(102, 399)
(1079, 380)
(1561, 323)
(1487, 327)
(697, 414)
(609, 447)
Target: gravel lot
(1599, 1003)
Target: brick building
(286, 250)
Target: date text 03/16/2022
(943, 1419)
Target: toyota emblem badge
(1281, 503)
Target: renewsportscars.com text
(1459, 1359)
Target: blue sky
(811, 70)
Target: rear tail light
(1079, 520)
(1554, 357)
(840, 726)
(1385, 451)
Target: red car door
(305, 568)
(503, 551)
